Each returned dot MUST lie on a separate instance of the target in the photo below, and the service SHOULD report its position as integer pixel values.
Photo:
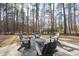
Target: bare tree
(0, 17)
(33, 10)
(27, 19)
(7, 26)
(75, 26)
(22, 16)
(53, 19)
(65, 26)
(37, 16)
(17, 11)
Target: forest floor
(70, 39)
(9, 44)
(8, 40)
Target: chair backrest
(57, 34)
(49, 49)
(39, 41)
(37, 35)
(56, 37)
(24, 40)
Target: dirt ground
(9, 45)
(70, 39)
(10, 39)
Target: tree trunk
(13, 18)
(0, 18)
(64, 19)
(7, 25)
(27, 20)
(22, 15)
(53, 19)
(37, 16)
(33, 18)
(17, 28)
(69, 17)
(75, 26)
